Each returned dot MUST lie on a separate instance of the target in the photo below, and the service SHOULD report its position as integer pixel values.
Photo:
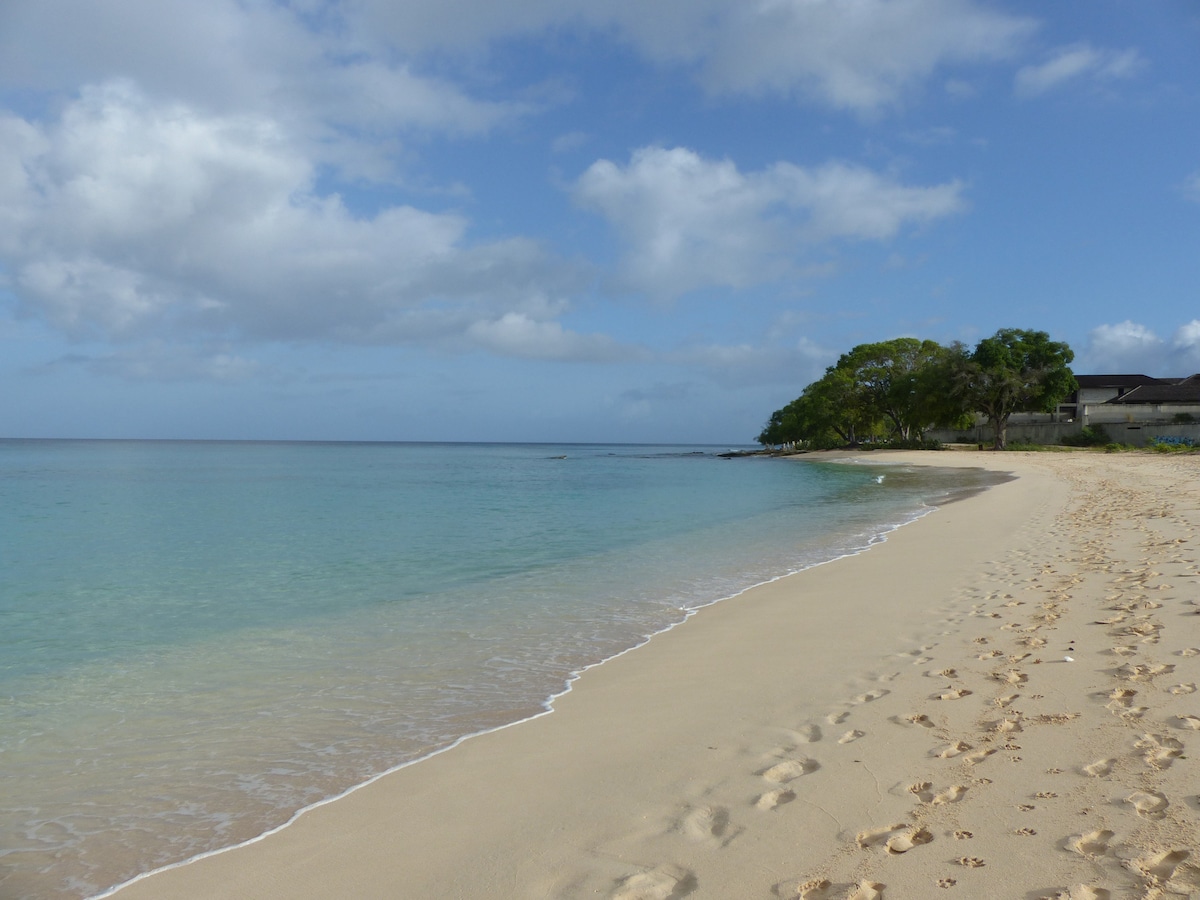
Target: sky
(557, 220)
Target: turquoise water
(199, 639)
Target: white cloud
(860, 55)
(342, 97)
(1075, 62)
(517, 334)
(689, 222)
(1128, 348)
(852, 54)
(792, 363)
(130, 219)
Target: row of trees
(898, 389)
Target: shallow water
(198, 639)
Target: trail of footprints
(1137, 848)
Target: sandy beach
(998, 701)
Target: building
(1131, 409)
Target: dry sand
(997, 702)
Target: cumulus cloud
(1073, 63)
(689, 222)
(343, 97)
(1128, 347)
(129, 219)
(744, 364)
(852, 54)
(516, 334)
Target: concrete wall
(1103, 414)
(1138, 435)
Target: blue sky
(613, 220)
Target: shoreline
(548, 704)
(687, 752)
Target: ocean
(199, 639)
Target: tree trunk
(1000, 426)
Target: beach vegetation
(1027, 445)
(1172, 444)
(1088, 436)
(1014, 370)
(887, 393)
(890, 393)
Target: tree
(940, 401)
(889, 376)
(836, 403)
(832, 410)
(782, 429)
(1015, 371)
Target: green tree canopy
(889, 377)
(1015, 370)
(901, 387)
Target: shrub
(1172, 444)
(1088, 437)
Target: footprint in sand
(1099, 768)
(970, 862)
(952, 794)
(809, 734)
(899, 838)
(851, 736)
(1159, 750)
(813, 889)
(951, 693)
(1149, 804)
(1192, 722)
(1081, 892)
(789, 769)
(661, 883)
(925, 793)
(1092, 844)
(1122, 697)
(707, 824)
(915, 719)
(867, 890)
(837, 718)
(1133, 713)
(877, 837)
(771, 799)
(922, 790)
(1143, 672)
(978, 756)
(870, 696)
(1188, 687)
(1011, 677)
(1160, 867)
(1189, 651)
(951, 750)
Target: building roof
(1185, 391)
(1118, 381)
